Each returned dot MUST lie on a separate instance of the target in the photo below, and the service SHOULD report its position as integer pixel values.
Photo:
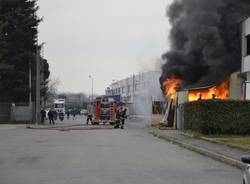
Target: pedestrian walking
(51, 117)
(90, 113)
(43, 115)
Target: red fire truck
(104, 110)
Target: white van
(59, 105)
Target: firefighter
(118, 119)
(123, 116)
(90, 114)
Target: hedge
(218, 117)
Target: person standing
(89, 114)
(55, 114)
(51, 117)
(74, 114)
(43, 115)
(68, 114)
(118, 119)
(123, 114)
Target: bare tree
(52, 90)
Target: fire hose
(71, 127)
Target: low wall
(5, 112)
(21, 113)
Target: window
(123, 89)
(136, 87)
(129, 99)
(59, 105)
(129, 89)
(248, 45)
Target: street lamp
(92, 87)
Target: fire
(170, 86)
(218, 92)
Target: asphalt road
(130, 156)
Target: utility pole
(30, 95)
(30, 87)
(92, 87)
(38, 84)
(133, 92)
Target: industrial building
(140, 92)
(245, 67)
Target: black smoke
(205, 40)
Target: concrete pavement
(130, 156)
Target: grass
(242, 141)
(193, 134)
(233, 139)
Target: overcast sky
(108, 39)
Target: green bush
(218, 117)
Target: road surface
(130, 156)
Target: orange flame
(218, 92)
(170, 86)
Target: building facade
(245, 67)
(138, 92)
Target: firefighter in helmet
(123, 116)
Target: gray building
(138, 91)
(245, 67)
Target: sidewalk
(222, 153)
(69, 124)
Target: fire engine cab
(105, 110)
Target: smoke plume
(205, 40)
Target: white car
(246, 160)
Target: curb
(202, 151)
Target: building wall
(182, 97)
(246, 57)
(138, 91)
(235, 87)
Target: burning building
(204, 60)
(245, 67)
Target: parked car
(246, 160)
